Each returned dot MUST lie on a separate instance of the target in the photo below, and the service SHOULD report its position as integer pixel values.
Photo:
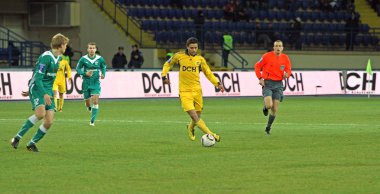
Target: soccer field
(318, 145)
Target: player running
(92, 68)
(272, 68)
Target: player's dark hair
(191, 40)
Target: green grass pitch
(318, 145)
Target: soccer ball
(207, 140)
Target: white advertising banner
(149, 84)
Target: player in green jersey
(40, 92)
(92, 68)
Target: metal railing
(16, 51)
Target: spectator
(14, 53)
(176, 3)
(199, 22)
(352, 29)
(227, 46)
(265, 35)
(169, 54)
(69, 53)
(119, 60)
(229, 10)
(97, 51)
(241, 12)
(295, 34)
(137, 58)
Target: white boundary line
(4, 120)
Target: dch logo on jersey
(155, 83)
(294, 83)
(358, 82)
(189, 68)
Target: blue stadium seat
(341, 39)
(358, 39)
(307, 27)
(317, 39)
(276, 26)
(309, 39)
(374, 40)
(253, 14)
(314, 16)
(280, 4)
(323, 16)
(262, 15)
(212, 3)
(132, 12)
(366, 40)
(280, 15)
(271, 4)
(148, 13)
(289, 15)
(271, 15)
(364, 28)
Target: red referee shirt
(272, 67)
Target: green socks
(38, 136)
(94, 112)
(26, 126)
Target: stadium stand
(323, 25)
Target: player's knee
(40, 115)
(48, 124)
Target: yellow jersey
(189, 68)
(62, 68)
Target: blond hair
(91, 43)
(58, 40)
(280, 41)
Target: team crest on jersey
(197, 63)
(41, 68)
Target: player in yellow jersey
(60, 81)
(190, 90)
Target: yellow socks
(55, 102)
(202, 125)
(61, 100)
